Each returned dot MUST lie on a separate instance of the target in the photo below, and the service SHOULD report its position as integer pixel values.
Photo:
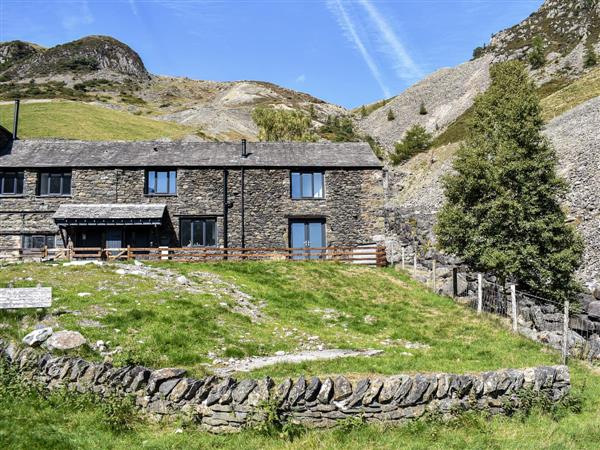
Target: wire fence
(552, 322)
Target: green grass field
(160, 324)
(74, 120)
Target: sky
(348, 52)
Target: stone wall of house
(352, 207)
(226, 405)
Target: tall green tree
(283, 125)
(502, 213)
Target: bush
(591, 59)
(537, 56)
(478, 52)
(422, 109)
(390, 115)
(119, 412)
(282, 125)
(416, 140)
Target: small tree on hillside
(363, 111)
(422, 109)
(390, 115)
(502, 213)
(537, 55)
(416, 140)
(282, 125)
(590, 58)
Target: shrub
(590, 59)
(422, 109)
(478, 52)
(416, 140)
(119, 412)
(537, 56)
(390, 115)
(282, 125)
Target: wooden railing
(367, 255)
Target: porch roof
(109, 214)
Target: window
(198, 232)
(161, 182)
(11, 183)
(308, 185)
(39, 241)
(55, 183)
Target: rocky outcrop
(566, 27)
(102, 56)
(226, 405)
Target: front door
(114, 238)
(307, 237)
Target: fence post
(565, 342)
(513, 301)
(45, 251)
(392, 253)
(403, 257)
(128, 252)
(433, 274)
(479, 293)
(415, 263)
(455, 282)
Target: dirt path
(257, 362)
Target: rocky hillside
(108, 73)
(569, 29)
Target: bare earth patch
(258, 362)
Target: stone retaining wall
(225, 405)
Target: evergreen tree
(416, 140)
(590, 59)
(502, 213)
(363, 111)
(422, 109)
(390, 115)
(537, 55)
(283, 125)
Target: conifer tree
(537, 56)
(502, 213)
(390, 115)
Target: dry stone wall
(226, 405)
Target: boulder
(65, 340)
(582, 324)
(593, 310)
(37, 337)
(342, 389)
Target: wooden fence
(366, 255)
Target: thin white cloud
(77, 15)
(404, 65)
(350, 30)
(134, 8)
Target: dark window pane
(51, 241)
(55, 181)
(307, 189)
(172, 182)
(296, 193)
(26, 241)
(38, 241)
(66, 184)
(211, 233)
(20, 183)
(185, 233)
(318, 185)
(198, 233)
(8, 183)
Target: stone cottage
(180, 194)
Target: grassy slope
(73, 120)
(162, 325)
(177, 328)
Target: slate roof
(54, 153)
(110, 211)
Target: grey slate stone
(312, 390)
(37, 337)
(218, 391)
(373, 391)
(242, 390)
(297, 391)
(342, 389)
(326, 391)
